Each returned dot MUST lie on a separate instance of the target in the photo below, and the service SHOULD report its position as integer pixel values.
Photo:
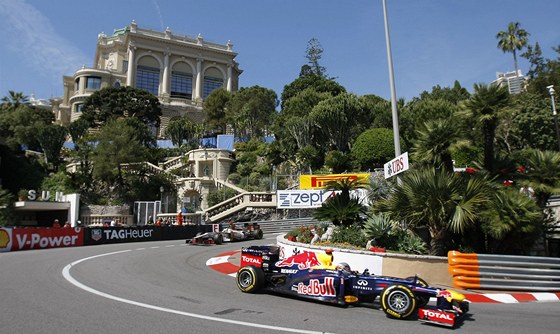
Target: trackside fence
(504, 272)
(284, 225)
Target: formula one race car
(232, 232)
(303, 275)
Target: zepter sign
(302, 199)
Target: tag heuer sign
(96, 234)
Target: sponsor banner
(396, 166)
(301, 199)
(319, 181)
(109, 235)
(5, 239)
(40, 238)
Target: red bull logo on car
(304, 260)
(316, 288)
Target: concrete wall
(433, 269)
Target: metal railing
(284, 225)
(504, 272)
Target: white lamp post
(554, 113)
(161, 189)
(395, 113)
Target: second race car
(233, 232)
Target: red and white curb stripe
(221, 264)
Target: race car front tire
(258, 234)
(218, 239)
(249, 279)
(398, 301)
(421, 301)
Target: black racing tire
(398, 301)
(421, 301)
(218, 239)
(258, 234)
(249, 279)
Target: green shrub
(351, 235)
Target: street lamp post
(161, 189)
(394, 110)
(554, 113)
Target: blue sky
(434, 42)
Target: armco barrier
(504, 272)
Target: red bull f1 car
(232, 232)
(303, 275)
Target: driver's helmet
(343, 266)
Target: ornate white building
(180, 70)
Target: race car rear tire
(249, 279)
(218, 239)
(398, 301)
(421, 301)
(258, 234)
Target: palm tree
(342, 208)
(441, 201)
(15, 99)
(435, 141)
(485, 107)
(513, 221)
(543, 175)
(513, 39)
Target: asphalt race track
(166, 287)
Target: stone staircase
(243, 201)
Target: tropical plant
(543, 175)
(484, 108)
(435, 142)
(342, 208)
(379, 228)
(441, 201)
(513, 221)
(515, 38)
(15, 99)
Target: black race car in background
(233, 232)
(301, 276)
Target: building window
(125, 66)
(93, 83)
(147, 78)
(79, 107)
(181, 85)
(210, 84)
(117, 84)
(77, 84)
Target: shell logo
(5, 240)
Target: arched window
(147, 75)
(212, 80)
(181, 81)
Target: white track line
(69, 278)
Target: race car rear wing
(259, 256)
